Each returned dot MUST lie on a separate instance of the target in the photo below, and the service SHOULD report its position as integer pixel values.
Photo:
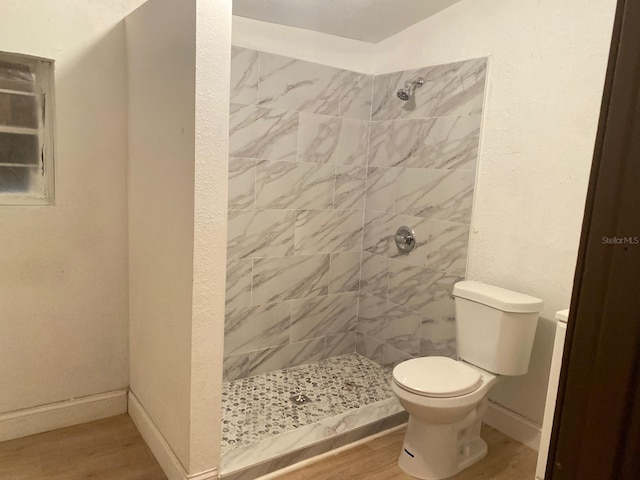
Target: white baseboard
(163, 452)
(513, 425)
(45, 418)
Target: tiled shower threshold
(263, 430)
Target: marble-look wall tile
(260, 233)
(266, 133)
(322, 316)
(437, 194)
(442, 306)
(403, 143)
(422, 290)
(464, 91)
(374, 277)
(421, 173)
(457, 143)
(277, 358)
(355, 97)
(238, 283)
(379, 228)
(289, 185)
(245, 65)
(454, 89)
(349, 188)
(242, 182)
(340, 344)
(235, 367)
(252, 328)
(299, 140)
(323, 231)
(447, 247)
(344, 272)
(287, 278)
(393, 357)
(324, 139)
(392, 324)
(299, 85)
(385, 103)
(302, 132)
(370, 347)
(438, 337)
(381, 189)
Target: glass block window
(26, 130)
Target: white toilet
(446, 398)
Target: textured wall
(421, 173)
(63, 268)
(213, 45)
(177, 219)
(161, 219)
(298, 153)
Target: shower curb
(287, 459)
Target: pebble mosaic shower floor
(260, 407)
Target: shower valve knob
(405, 239)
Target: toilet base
(439, 451)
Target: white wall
(63, 268)
(303, 44)
(161, 52)
(177, 168)
(545, 80)
(213, 52)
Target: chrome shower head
(409, 89)
(403, 94)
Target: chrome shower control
(405, 239)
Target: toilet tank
(495, 327)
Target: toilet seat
(439, 377)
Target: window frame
(44, 70)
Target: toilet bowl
(443, 434)
(446, 398)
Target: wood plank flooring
(112, 449)
(378, 460)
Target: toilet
(446, 398)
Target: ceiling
(367, 20)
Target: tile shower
(325, 164)
(421, 173)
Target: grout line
(301, 162)
(251, 285)
(364, 209)
(259, 73)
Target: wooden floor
(378, 460)
(112, 449)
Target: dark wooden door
(597, 423)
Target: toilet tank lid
(496, 297)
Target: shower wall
(421, 173)
(298, 154)
(308, 264)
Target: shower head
(405, 93)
